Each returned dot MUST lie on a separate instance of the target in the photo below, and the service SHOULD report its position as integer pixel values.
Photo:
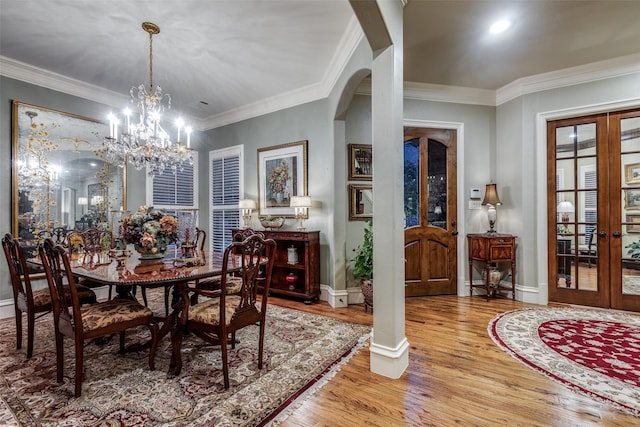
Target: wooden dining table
(126, 270)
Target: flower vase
(279, 198)
(154, 252)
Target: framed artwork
(632, 199)
(282, 173)
(632, 173)
(360, 162)
(633, 223)
(360, 202)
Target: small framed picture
(360, 162)
(632, 173)
(633, 223)
(360, 202)
(632, 199)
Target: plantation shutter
(590, 201)
(171, 191)
(226, 188)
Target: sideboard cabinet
(492, 249)
(296, 270)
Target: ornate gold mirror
(60, 180)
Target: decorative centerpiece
(272, 222)
(150, 231)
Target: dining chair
(81, 323)
(25, 299)
(201, 236)
(233, 282)
(89, 248)
(217, 318)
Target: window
(175, 191)
(227, 187)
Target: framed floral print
(282, 173)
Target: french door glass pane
(437, 171)
(630, 199)
(576, 207)
(412, 182)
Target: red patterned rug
(302, 352)
(593, 352)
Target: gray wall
(500, 144)
(522, 160)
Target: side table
(492, 249)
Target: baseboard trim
(341, 298)
(387, 361)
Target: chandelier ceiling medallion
(146, 143)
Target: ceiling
(219, 58)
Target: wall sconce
(246, 207)
(565, 208)
(300, 204)
(491, 199)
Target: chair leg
(166, 300)
(59, 357)
(225, 363)
(144, 295)
(153, 327)
(261, 344)
(31, 324)
(122, 340)
(110, 290)
(18, 329)
(79, 364)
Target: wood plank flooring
(456, 376)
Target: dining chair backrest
(201, 236)
(90, 241)
(57, 268)
(20, 279)
(255, 256)
(241, 235)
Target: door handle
(454, 233)
(615, 234)
(603, 234)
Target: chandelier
(146, 143)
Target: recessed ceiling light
(500, 26)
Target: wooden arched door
(430, 211)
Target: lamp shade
(247, 204)
(565, 207)
(83, 201)
(300, 202)
(491, 196)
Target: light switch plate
(475, 204)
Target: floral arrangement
(150, 228)
(279, 177)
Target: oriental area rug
(302, 352)
(593, 352)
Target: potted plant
(363, 266)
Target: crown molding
(348, 44)
(601, 70)
(40, 77)
(439, 93)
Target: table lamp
(246, 207)
(491, 199)
(565, 208)
(300, 204)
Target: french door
(594, 210)
(430, 196)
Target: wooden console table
(492, 249)
(297, 277)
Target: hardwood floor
(456, 376)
